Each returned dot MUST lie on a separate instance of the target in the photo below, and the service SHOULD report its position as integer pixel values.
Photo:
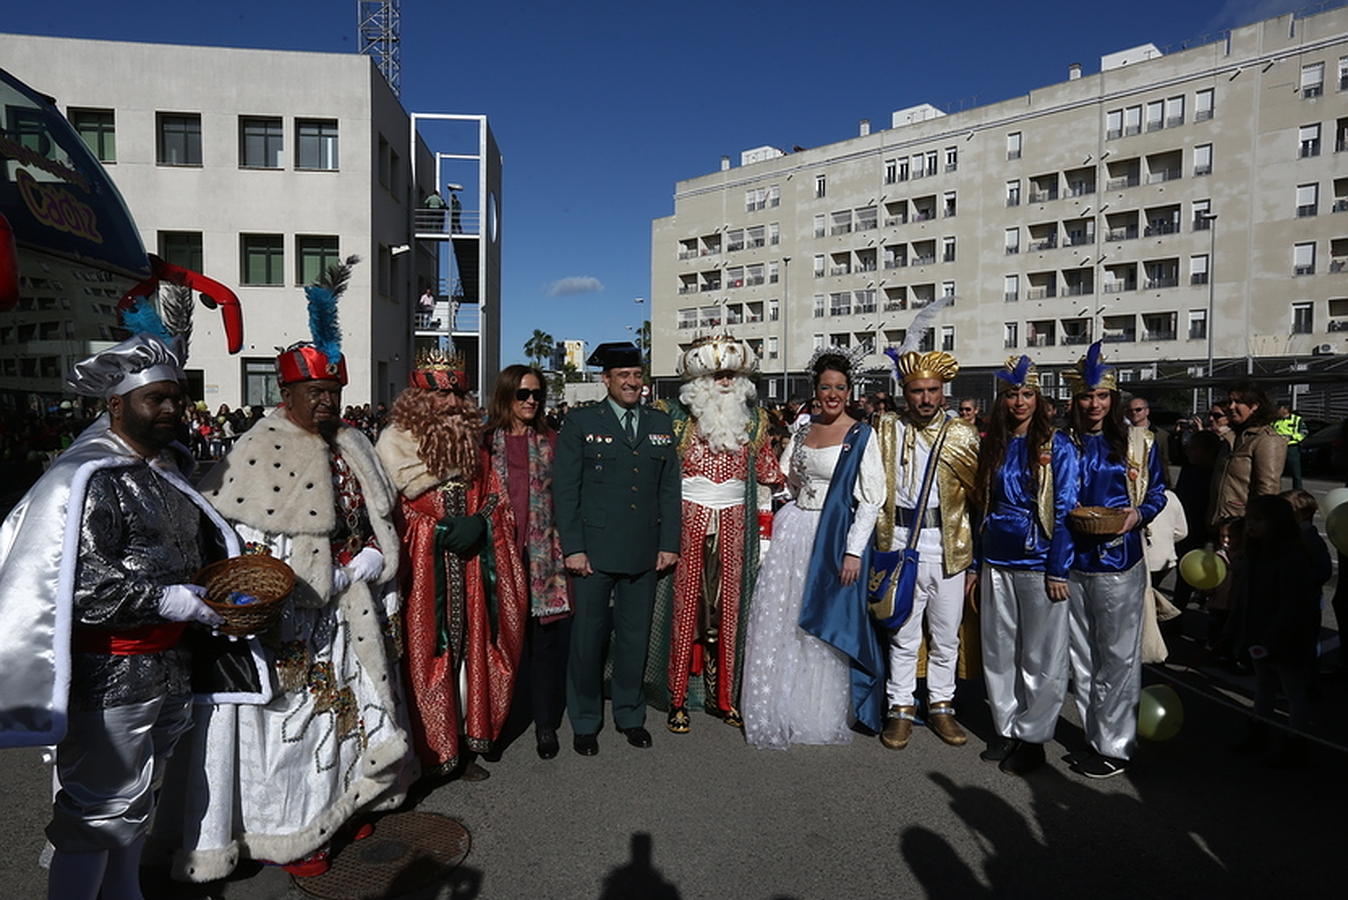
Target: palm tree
(539, 348)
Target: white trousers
(1024, 653)
(939, 601)
(1106, 638)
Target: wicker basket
(1097, 519)
(267, 579)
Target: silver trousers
(939, 602)
(1024, 653)
(107, 767)
(1106, 637)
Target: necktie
(628, 426)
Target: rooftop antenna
(379, 25)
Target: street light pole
(786, 311)
(1211, 220)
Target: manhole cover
(407, 851)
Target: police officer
(616, 498)
(1293, 427)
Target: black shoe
(586, 744)
(1077, 757)
(471, 771)
(1097, 766)
(999, 748)
(637, 737)
(1024, 759)
(1255, 740)
(547, 742)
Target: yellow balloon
(1336, 526)
(1202, 569)
(1159, 713)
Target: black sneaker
(1024, 759)
(999, 748)
(1097, 766)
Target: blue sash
(835, 614)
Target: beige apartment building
(1185, 207)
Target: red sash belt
(127, 641)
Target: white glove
(365, 565)
(341, 579)
(182, 603)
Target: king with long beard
(467, 600)
(725, 458)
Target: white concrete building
(1180, 206)
(261, 167)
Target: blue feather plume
(323, 324)
(893, 355)
(1093, 368)
(143, 318)
(1016, 377)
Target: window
(773, 272)
(1201, 211)
(820, 226)
(891, 171)
(772, 347)
(1303, 317)
(1013, 193)
(919, 163)
(96, 127)
(755, 199)
(774, 310)
(948, 204)
(1313, 80)
(1343, 73)
(1198, 324)
(774, 234)
(1174, 111)
(1155, 115)
(952, 158)
(1303, 259)
(182, 248)
(818, 305)
(863, 301)
(947, 289)
(1308, 141)
(948, 338)
(262, 259)
(819, 265)
(734, 240)
(820, 186)
(687, 318)
(866, 218)
(313, 255)
(179, 139)
(259, 383)
(385, 170)
(316, 144)
(1113, 124)
(1203, 105)
(754, 236)
(818, 341)
(1011, 288)
(1013, 145)
(734, 277)
(840, 304)
(1010, 335)
(1198, 269)
(260, 142)
(1308, 200)
(1012, 241)
(1203, 159)
(1132, 120)
(931, 162)
(774, 196)
(947, 249)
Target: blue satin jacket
(1105, 483)
(1012, 535)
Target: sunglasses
(524, 394)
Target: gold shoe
(941, 718)
(898, 727)
(678, 721)
(733, 718)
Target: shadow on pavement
(638, 877)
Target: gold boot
(941, 718)
(898, 727)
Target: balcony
(924, 260)
(1081, 189)
(866, 266)
(1312, 90)
(1119, 337)
(1048, 243)
(1307, 210)
(1154, 336)
(1202, 115)
(710, 286)
(1075, 340)
(840, 270)
(1307, 269)
(1078, 239)
(1041, 293)
(1118, 287)
(1039, 340)
(891, 221)
(1123, 181)
(895, 263)
(1127, 233)
(1155, 228)
(1044, 196)
(688, 289)
(710, 251)
(894, 306)
(1162, 281)
(688, 254)
(1079, 290)
(924, 215)
(1164, 175)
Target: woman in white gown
(796, 686)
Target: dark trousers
(547, 651)
(629, 622)
(1292, 467)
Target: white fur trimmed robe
(276, 782)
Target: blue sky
(600, 107)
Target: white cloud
(575, 284)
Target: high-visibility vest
(1292, 428)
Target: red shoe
(363, 832)
(314, 864)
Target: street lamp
(1211, 219)
(786, 311)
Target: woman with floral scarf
(521, 446)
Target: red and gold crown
(305, 362)
(439, 370)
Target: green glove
(459, 534)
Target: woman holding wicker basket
(1122, 488)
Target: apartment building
(260, 168)
(1184, 206)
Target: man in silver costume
(96, 563)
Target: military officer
(616, 498)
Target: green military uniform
(616, 499)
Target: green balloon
(1336, 526)
(1159, 713)
(1204, 570)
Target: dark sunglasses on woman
(524, 394)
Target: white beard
(722, 413)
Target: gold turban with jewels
(933, 364)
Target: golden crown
(436, 360)
(934, 364)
